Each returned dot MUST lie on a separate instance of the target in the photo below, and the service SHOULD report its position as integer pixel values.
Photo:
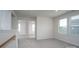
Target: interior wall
(5, 20)
(67, 38)
(14, 23)
(44, 28)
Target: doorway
(26, 28)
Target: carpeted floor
(47, 43)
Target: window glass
(74, 25)
(62, 26)
(33, 27)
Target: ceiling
(34, 13)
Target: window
(19, 27)
(62, 26)
(33, 27)
(74, 25)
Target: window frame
(68, 33)
(70, 25)
(59, 26)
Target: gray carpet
(47, 43)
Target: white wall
(44, 28)
(5, 20)
(67, 38)
(14, 23)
